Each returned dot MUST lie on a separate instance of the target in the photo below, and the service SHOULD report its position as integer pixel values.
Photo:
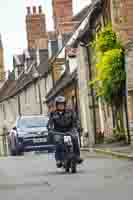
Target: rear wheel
(73, 167)
(67, 169)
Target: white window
(49, 49)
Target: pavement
(35, 177)
(115, 149)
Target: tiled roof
(18, 60)
(6, 89)
(11, 88)
(82, 14)
(84, 26)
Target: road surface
(35, 177)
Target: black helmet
(60, 99)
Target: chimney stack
(40, 9)
(36, 27)
(34, 10)
(28, 11)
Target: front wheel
(73, 167)
(13, 153)
(67, 166)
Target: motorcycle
(69, 161)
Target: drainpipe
(19, 106)
(127, 120)
(75, 91)
(92, 92)
(40, 97)
(126, 102)
(77, 109)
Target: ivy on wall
(110, 73)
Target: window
(45, 84)
(37, 93)
(98, 28)
(26, 99)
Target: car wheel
(20, 153)
(13, 153)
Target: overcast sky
(12, 23)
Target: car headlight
(20, 139)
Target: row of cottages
(73, 68)
(26, 94)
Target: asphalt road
(35, 177)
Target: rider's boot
(79, 160)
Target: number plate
(39, 140)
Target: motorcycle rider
(64, 120)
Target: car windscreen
(34, 122)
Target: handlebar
(60, 133)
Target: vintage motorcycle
(69, 161)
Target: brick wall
(62, 14)
(62, 8)
(122, 17)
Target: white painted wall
(85, 101)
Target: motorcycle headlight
(67, 139)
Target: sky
(12, 24)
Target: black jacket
(63, 121)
